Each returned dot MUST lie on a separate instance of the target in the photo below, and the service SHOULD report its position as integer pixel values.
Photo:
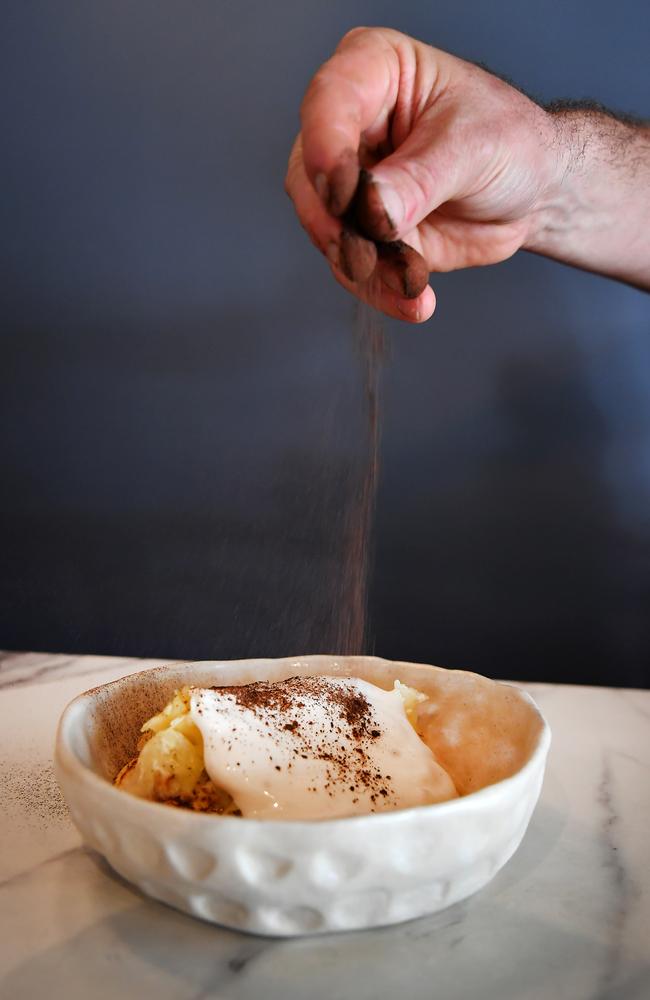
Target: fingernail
(392, 203)
(333, 253)
(322, 188)
(408, 312)
(378, 209)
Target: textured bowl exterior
(295, 878)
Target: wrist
(594, 210)
(553, 213)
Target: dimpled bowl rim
(263, 908)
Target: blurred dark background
(181, 402)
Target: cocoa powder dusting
(349, 714)
(351, 628)
(32, 789)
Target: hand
(459, 164)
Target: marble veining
(568, 917)
(31, 668)
(619, 878)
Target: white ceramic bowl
(291, 878)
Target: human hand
(459, 165)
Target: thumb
(400, 191)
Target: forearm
(596, 215)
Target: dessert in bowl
(300, 748)
(449, 769)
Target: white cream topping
(315, 748)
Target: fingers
(358, 256)
(355, 256)
(392, 278)
(381, 297)
(352, 93)
(319, 225)
(380, 85)
(405, 187)
(403, 269)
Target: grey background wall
(180, 398)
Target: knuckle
(321, 78)
(294, 167)
(362, 35)
(419, 188)
(421, 178)
(352, 35)
(312, 237)
(289, 181)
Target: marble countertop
(568, 917)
